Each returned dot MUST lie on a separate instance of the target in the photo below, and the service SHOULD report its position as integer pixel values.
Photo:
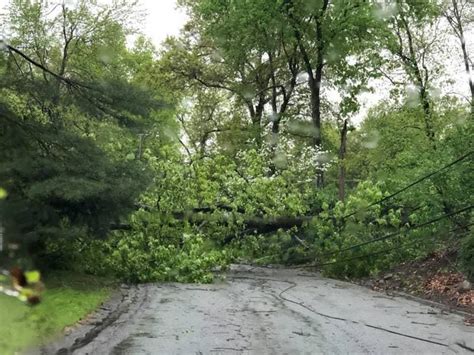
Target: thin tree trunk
(342, 166)
(316, 85)
(316, 89)
(421, 82)
(459, 30)
(314, 78)
(468, 71)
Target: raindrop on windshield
(372, 140)
(217, 55)
(3, 43)
(384, 10)
(273, 117)
(272, 139)
(70, 3)
(435, 93)
(105, 55)
(248, 93)
(412, 95)
(304, 128)
(280, 160)
(302, 78)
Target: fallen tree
(260, 224)
(200, 215)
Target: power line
(398, 192)
(385, 250)
(458, 160)
(391, 235)
(433, 173)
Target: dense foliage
(243, 139)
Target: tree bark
(315, 75)
(251, 224)
(420, 79)
(456, 22)
(342, 166)
(413, 67)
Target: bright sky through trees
(162, 18)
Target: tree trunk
(421, 80)
(316, 89)
(316, 85)
(316, 117)
(251, 224)
(314, 79)
(342, 166)
(459, 29)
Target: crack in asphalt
(264, 311)
(353, 321)
(293, 285)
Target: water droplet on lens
(302, 78)
(372, 140)
(280, 160)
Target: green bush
(337, 228)
(138, 257)
(467, 256)
(72, 183)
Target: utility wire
(384, 251)
(433, 173)
(458, 160)
(401, 231)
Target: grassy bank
(68, 298)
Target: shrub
(467, 256)
(138, 257)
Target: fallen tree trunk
(196, 210)
(271, 224)
(250, 225)
(120, 227)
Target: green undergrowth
(67, 299)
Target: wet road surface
(277, 311)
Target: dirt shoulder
(435, 278)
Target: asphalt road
(276, 311)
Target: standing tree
(413, 40)
(242, 48)
(330, 35)
(70, 111)
(460, 14)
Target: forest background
(240, 139)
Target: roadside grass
(68, 298)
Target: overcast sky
(162, 18)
